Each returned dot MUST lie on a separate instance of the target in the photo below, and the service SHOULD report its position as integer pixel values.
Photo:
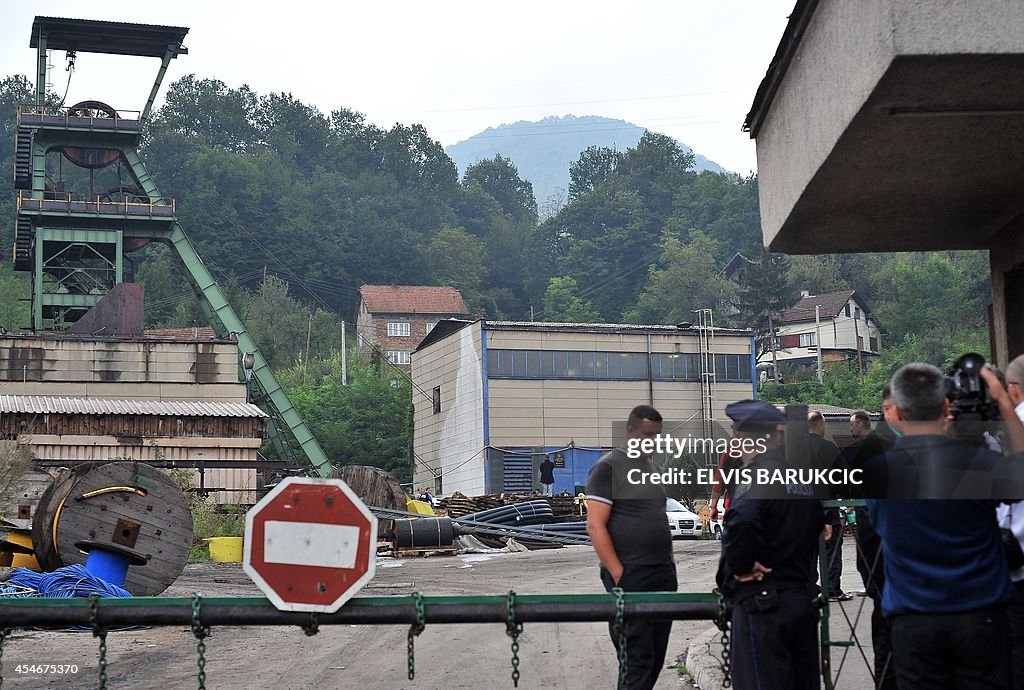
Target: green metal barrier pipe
(216, 611)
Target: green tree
(688, 277)
(499, 178)
(930, 296)
(16, 289)
(765, 291)
(276, 322)
(456, 258)
(368, 422)
(14, 90)
(592, 169)
(657, 169)
(211, 112)
(562, 303)
(817, 274)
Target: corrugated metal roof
(41, 404)
(834, 411)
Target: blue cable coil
(65, 583)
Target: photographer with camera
(947, 584)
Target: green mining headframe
(73, 228)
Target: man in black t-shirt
(628, 527)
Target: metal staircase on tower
(73, 240)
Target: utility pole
(344, 351)
(309, 332)
(856, 339)
(771, 340)
(817, 340)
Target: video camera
(968, 392)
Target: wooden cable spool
(19, 509)
(128, 505)
(375, 487)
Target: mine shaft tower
(85, 199)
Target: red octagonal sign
(310, 544)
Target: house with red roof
(395, 318)
(845, 325)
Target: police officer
(768, 566)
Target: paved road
(567, 655)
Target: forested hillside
(293, 209)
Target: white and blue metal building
(492, 397)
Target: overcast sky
(687, 68)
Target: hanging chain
(723, 624)
(4, 632)
(415, 629)
(201, 632)
(620, 633)
(513, 630)
(101, 633)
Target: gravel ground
(565, 655)
(553, 655)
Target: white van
(681, 522)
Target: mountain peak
(544, 149)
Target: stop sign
(310, 544)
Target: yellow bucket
(225, 549)
(418, 507)
(23, 560)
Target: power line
(603, 100)
(325, 304)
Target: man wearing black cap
(767, 570)
(629, 531)
(826, 456)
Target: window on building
(874, 343)
(437, 399)
(604, 366)
(430, 325)
(399, 328)
(856, 313)
(860, 342)
(847, 308)
(808, 339)
(399, 357)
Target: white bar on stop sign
(310, 543)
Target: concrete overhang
(892, 125)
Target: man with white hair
(947, 584)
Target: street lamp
(248, 362)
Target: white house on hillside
(847, 330)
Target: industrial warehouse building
(491, 397)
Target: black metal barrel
(421, 533)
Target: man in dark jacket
(870, 564)
(767, 569)
(825, 455)
(547, 475)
